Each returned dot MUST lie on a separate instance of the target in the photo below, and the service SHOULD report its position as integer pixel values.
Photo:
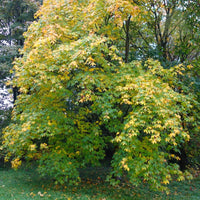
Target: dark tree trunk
(127, 45)
(15, 93)
(183, 159)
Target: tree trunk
(127, 45)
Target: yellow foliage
(32, 147)
(43, 146)
(75, 85)
(16, 163)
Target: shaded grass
(27, 184)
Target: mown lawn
(26, 184)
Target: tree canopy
(84, 88)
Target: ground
(26, 184)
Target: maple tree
(80, 92)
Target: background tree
(168, 32)
(15, 17)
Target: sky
(5, 98)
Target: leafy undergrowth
(26, 184)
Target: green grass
(26, 184)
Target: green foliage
(78, 95)
(15, 17)
(153, 126)
(5, 118)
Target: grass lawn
(26, 184)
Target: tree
(16, 16)
(168, 31)
(80, 92)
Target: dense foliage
(15, 17)
(81, 93)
